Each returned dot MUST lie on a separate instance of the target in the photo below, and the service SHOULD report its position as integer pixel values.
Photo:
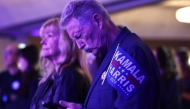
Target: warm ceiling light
(183, 14)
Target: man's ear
(98, 20)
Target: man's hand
(70, 105)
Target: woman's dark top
(71, 85)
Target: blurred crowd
(175, 77)
(19, 82)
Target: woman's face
(49, 42)
(22, 64)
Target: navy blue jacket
(106, 97)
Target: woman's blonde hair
(69, 51)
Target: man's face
(87, 36)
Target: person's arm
(70, 105)
(147, 96)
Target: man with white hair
(128, 77)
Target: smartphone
(52, 105)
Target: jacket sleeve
(147, 96)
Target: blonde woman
(66, 77)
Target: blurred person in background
(28, 64)
(10, 79)
(170, 80)
(183, 57)
(66, 76)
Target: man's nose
(80, 44)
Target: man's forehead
(73, 26)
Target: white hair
(83, 10)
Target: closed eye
(49, 35)
(78, 36)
